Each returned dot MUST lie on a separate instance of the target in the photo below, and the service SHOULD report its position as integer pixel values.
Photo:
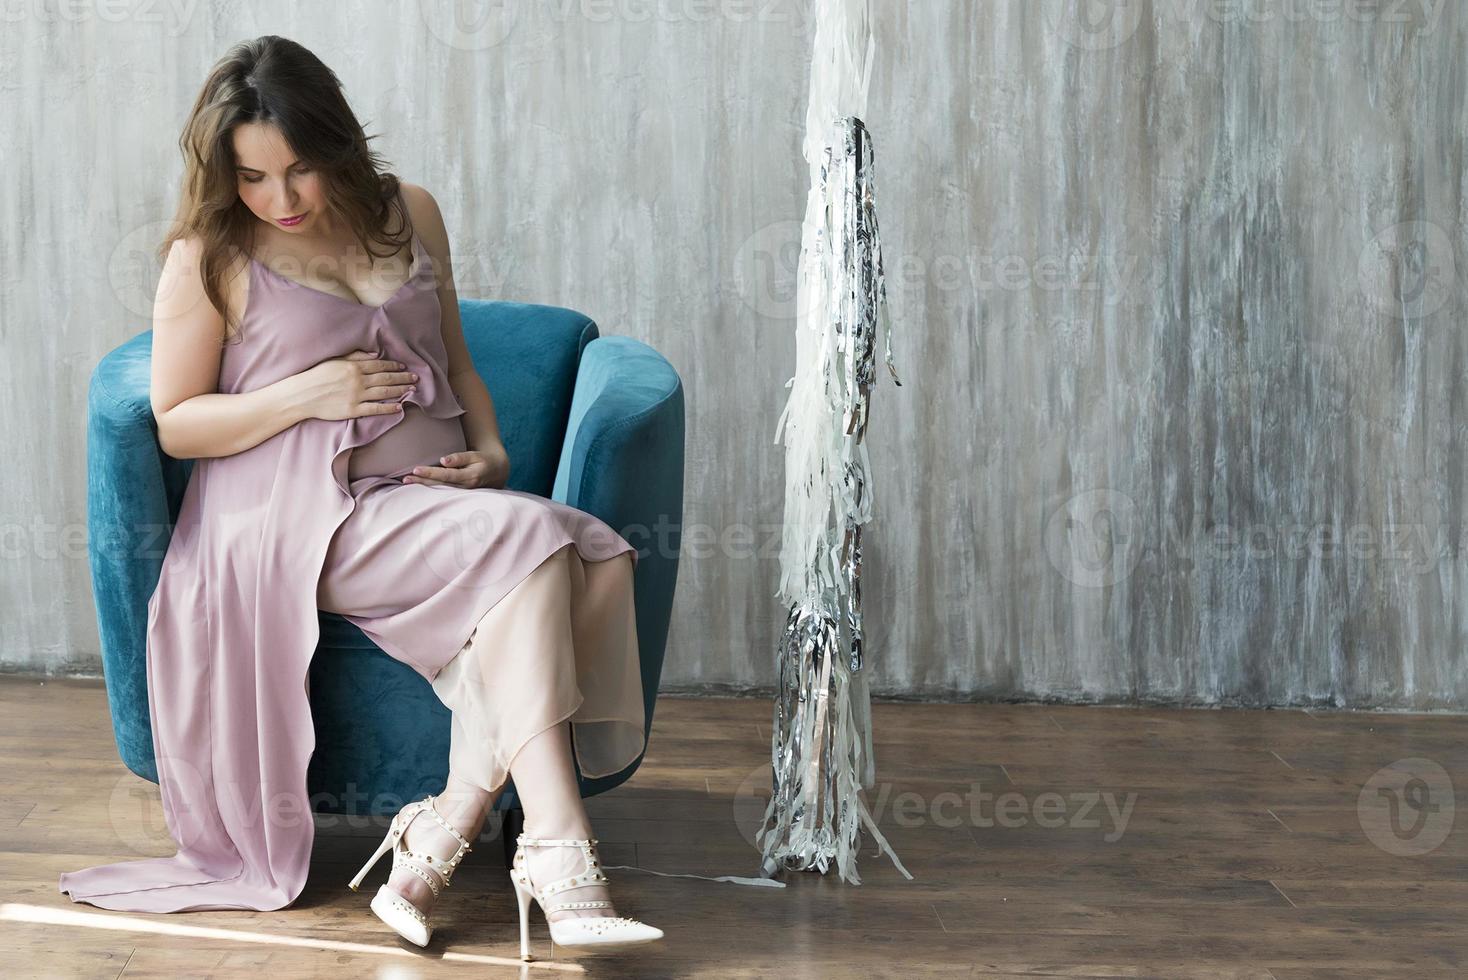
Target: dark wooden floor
(1176, 844)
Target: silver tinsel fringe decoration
(821, 747)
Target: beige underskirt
(561, 644)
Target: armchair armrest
(134, 492)
(622, 461)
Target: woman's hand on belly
(469, 468)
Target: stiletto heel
(523, 898)
(603, 931)
(399, 913)
(382, 849)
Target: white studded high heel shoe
(577, 931)
(394, 909)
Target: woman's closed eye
(256, 180)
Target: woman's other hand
(470, 468)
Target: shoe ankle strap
(433, 812)
(549, 842)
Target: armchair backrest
(528, 355)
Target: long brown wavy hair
(274, 79)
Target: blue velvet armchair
(594, 422)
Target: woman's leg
(514, 684)
(544, 771)
(504, 679)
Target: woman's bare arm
(194, 420)
(481, 427)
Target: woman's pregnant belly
(418, 440)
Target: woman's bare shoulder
(181, 285)
(417, 197)
(427, 220)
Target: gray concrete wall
(1177, 290)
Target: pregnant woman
(308, 355)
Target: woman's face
(281, 190)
